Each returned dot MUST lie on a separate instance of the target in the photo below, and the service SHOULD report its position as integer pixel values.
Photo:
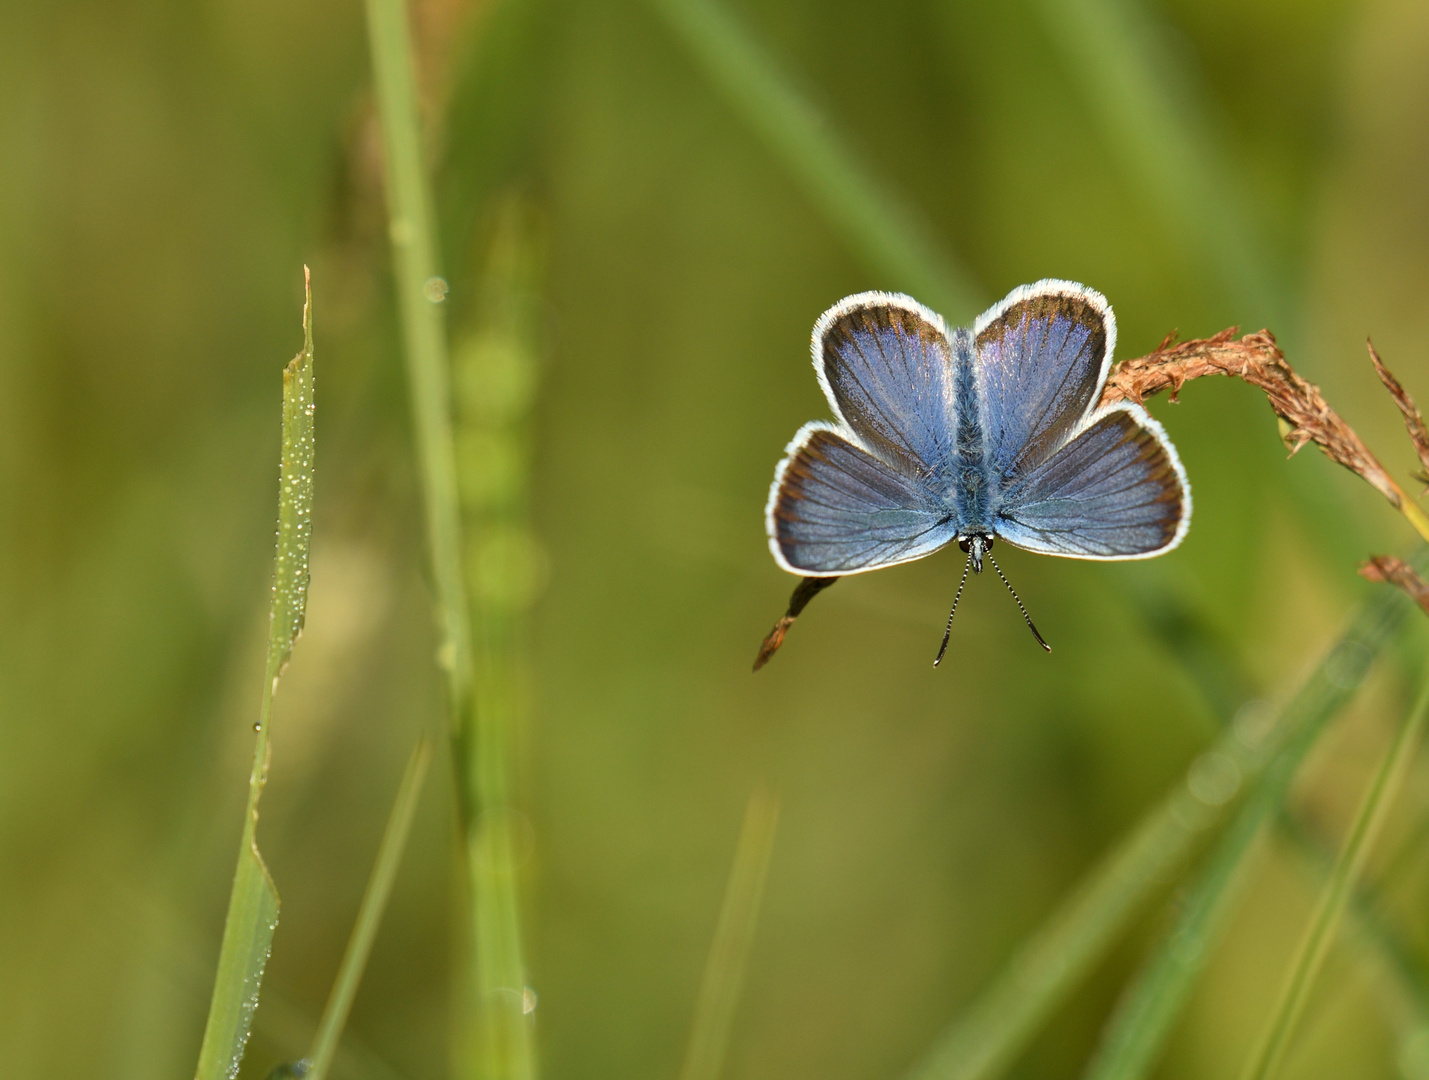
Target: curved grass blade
(1148, 1010)
(1407, 981)
(253, 903)
(1149, 1006)
(733, 939)
(369, 912)
(997, 1026)
(1320, 934)
(1146, 1013)
(878, 225)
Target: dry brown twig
(1399, 573)
(1257, 360)
(1413, 421)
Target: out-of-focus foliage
(165, 170)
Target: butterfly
(972, 435)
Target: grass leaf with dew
(998, 1024)
(1320, 934)
(253, 902)
(369, 912)
(734, 937)
(877, 224)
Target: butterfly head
(976, 545)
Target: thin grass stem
(369, 912)
(998, 1024)
(497, 375)
(734, 937)
(1366, 918)
(253, 903)
(881, 227)
(416, 277)
(494, 974)
(1320, 934)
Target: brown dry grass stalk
(1257, 360)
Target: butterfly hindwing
(1115, 490)
(836, 509)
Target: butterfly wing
(1072, 479)
(1043, 355)
(863, 493)
(836, 509)
(1115, 490)
(885, 364)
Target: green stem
(369, 912)
(734, 937)
(479, 750)
(1320, 934)
(415, 265)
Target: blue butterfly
(974, 435)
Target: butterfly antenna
(1020, 608)
(948, 632)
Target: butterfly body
(977, 434)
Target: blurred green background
(166, 168)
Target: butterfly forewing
(886, 367)
(1042, 357)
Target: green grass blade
(996, 1027)
(1146, 1013)
(1152, 1002)
(1320, 934)
(497, 376)
(253, 903)
(1129, 78)
(1149, 1008)
(485, 828)
(415, 265)
(733, 939)
(247, 941)
(1408, 977)
(369, 912)
(882, 228)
